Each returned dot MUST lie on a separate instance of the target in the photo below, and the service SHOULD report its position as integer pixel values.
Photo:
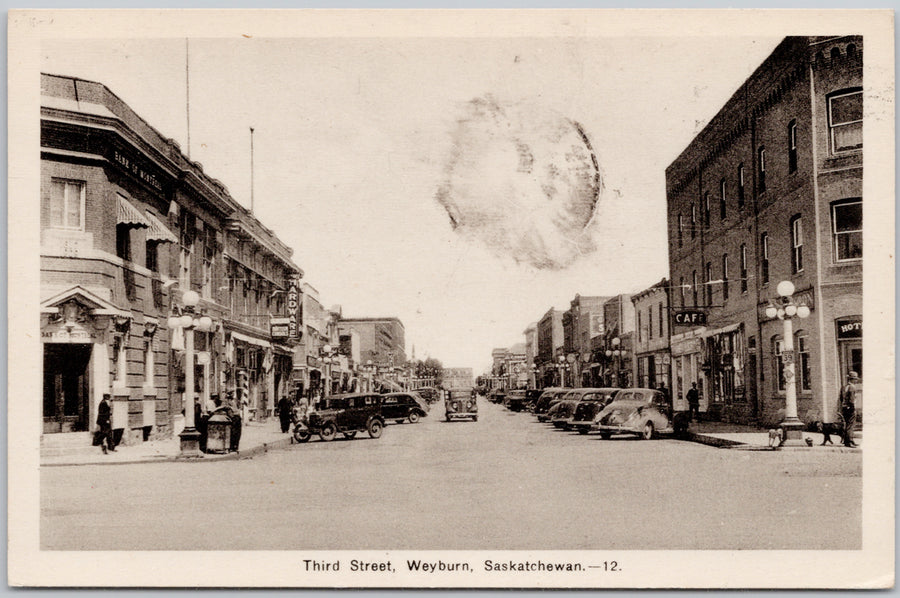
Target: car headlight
(469, 405)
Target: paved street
(503, 482)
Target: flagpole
(251, 170)
(187, 85)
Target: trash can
(218, 433)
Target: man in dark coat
(693, 399)
(848, 407)
(284, 414)
(104, 421)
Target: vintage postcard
(451, 298)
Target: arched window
(796, 244)
(740, 177)
(694, 287)
(764, 257)
(722, 199)
(792, 146)
(706, 209)
(801, 345)
(851, 50)
(680, 230)
(693, 220)
(743, 268)
(777, 363)
(725, 277)
(681, 286)
(762, 169)
(835, 53)
(708, 285)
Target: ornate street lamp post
(189, 320)
(328, 358)
(785, 308)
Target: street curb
(209, 457)
(742, 446)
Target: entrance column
(99, 384)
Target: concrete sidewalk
(256, 438)
(736, 436)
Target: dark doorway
(66, 387)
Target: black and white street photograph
(451, 298)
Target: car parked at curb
(497, 395)
(565, 409)
(345, 414)
(590, 405)
(531, 398)
(401, 406)
(548, 399)
(515, 400)
(642, 411)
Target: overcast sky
(365, 148)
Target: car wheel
(605, 435)
(374, 428)
(647, 432)
(413, 417)
(328, 432)
(474, 418)
(582, 431)
(448, 418)
(399, 421)
(350, 435)
(302, 435)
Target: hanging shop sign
(295, 308)
(690, 317)
(280, 327)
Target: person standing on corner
(104, 420)
(693, 399)
(848, 407)
(284, 414)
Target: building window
(725, 277)
(208, 244)
(792, 146)
(722, 207)
(640, 336)
(186, 234)
(681, 286)
(680, 230)
(149, 363)
(152, 256)
(762, 169)
(709, 290)
(796, 244)
(743, 268)
(777, 363)
(67, 204)
(803, 362)
(764, 262)
(706, 209)
(846, 218)
(660, 320)
(845, 118)
(650, 322)
(693, 220)
(740, 175)
(123, 241)
(694, 287)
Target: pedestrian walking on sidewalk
(848, 407)
(693, 399)
(104, 421)
(284, 414)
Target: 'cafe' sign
(690, 317)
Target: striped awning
(126, 213)
(159, 231)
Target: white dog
(776, 437)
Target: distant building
(651, 336)
(531, 353)
(583, 321)
(381, 340)
(770, 191)
(550, 346)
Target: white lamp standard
(189, 321)
(561, 365)
(785, 309)
(328, 358)
(616, 353)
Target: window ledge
(149, 391)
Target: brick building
(549, 347)
(581, 322)
(771, 191)
(651, 336)
(381, 340)
(128, 225)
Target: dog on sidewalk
(827, 429)
(776, 437)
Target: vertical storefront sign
(295, 308)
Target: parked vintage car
(550, 397)
(642, 411)
(460, 404)
(590, 405)
(497, 395)
(429, 394)
(565, 409)
(347, 414)
(400, 406)
(531, 398)
(515, 400)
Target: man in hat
(848, 407)
(104, 421)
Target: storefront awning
(283, 349)
(126, 213)
(159, 231)
(249, 339)
(723, 330)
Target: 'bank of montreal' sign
(690, 317)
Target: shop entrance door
(66, 387)
(851, 359)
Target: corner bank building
(771, 191)
(128, 225)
